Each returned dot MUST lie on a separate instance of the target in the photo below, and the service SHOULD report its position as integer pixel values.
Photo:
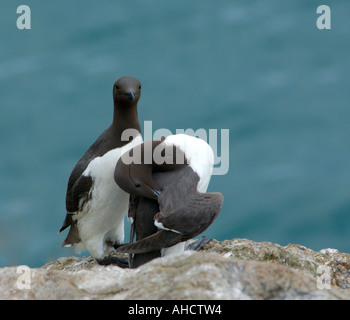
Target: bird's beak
(130, 95)
(155, 191)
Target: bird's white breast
(102, 218)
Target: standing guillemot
(167, 180)
(95, 205)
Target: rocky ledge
(230, 269)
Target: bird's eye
(116, 87)
(137, 185)
(140, 87)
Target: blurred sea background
(261, 69)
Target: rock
(230, 269)
(293, 255)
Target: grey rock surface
(230, 269)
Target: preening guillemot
(167, 180)
(95, 205)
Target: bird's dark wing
(161, 239)
(187, 222)
(142, 211)
(193, 218)
(78, 194)
(79, 185)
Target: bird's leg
(131, 240)
(198, 244)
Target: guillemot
(95, 204)
(167, 180)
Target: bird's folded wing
(161, 239)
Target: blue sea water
(261, 69)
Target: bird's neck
(125, 117)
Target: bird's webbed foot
(198, 244)
(120, 262)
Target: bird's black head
(127, 90)
(135, 177)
